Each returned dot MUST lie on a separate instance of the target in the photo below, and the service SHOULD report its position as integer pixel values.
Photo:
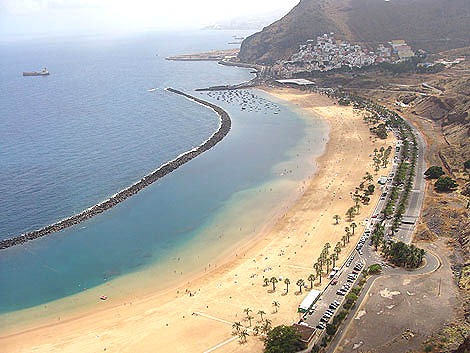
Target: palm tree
(369, 177)
(267, 326)
(343, 238)
(243, 335)
(328, 263)
(276, 306)
(247, 311)
(320, 261)
(316, 266)
(338, 248)
(320, 274)
(256, 330)
(237, 327)
(249, 317)
(350, 213)
(334, 257)
(336, 218)
(311, 278)
(287, 282)
(348, 233)
(266, 282)
(358, 207)
(356, 199)
(261, 313)
(353, 226)
(300, 283)
(376, 240)
(327, 247)
(273, 280)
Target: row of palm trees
(354, 210)
(325, 259)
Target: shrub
(331, 329)
(375, 269)
(283, 339)
(356, 290)
(467, 164)
(351, 297)
(445, 184)
(341, 315)
(434, 172)
(315, 349)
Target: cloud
(125, 15)
(31, 6)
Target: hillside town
(327, 53)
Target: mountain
(432, 25)
(282, 38)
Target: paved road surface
(368, 256)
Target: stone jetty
(165, 169)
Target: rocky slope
(452, 111)
(433, 25)
(282, 38)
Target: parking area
(333, 296)
(408, 307)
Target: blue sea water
(92, 127)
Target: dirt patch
(420, 306)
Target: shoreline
(231, 253)
(226, 290)
(124, 194)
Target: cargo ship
(43, 72)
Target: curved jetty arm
(165, 169)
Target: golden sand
(166, 321)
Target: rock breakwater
(165, 169)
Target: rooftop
(306, 332)
(297, 81)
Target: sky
(43, 17)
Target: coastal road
(415, 203)
(368, 256)
(405, 234)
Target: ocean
(100, 122)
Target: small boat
(104, 297)
(43, 72)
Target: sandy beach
(198, 316)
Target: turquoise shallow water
(92, 128)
